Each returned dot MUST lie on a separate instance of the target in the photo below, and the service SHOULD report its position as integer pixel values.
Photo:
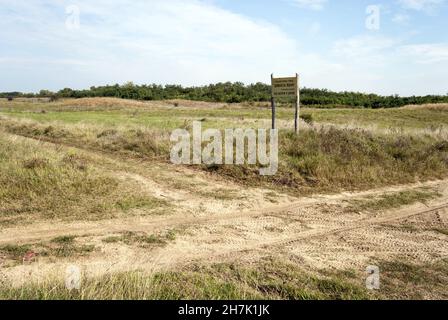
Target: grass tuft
(269, 280)
(392, 201)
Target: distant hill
(235, 92)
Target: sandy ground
(318, 232)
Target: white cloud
(310, 4)
(402, 19)
(314, 29)
(426, 53)
(189, 42)
(390, 67)
(421, 5)
(364, 47)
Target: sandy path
(47, 231)
(314, 230)
(340, 242)
(190, 209)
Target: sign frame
(286, 87)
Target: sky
(374, 46)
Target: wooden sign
(285, 87)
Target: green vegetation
(393, 200)
(126, 142)
(231, 93)
(131, 142)
(132, 202)
(220, 194)
(43, 183)
(163, 115)
(143, 239)
(392, 120)
(270, 280)
(64, 240)
(61, 247)
(404, 280)
(332, 159)
(321, 159)
(64, 248)
(15, 252)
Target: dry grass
(101, 103)
(116, 102)
(89, 104)
(37, 182)
(392, 200)
(325, 159)
(138, 142)
(142, 239)
(331, 159)
(95, 103)
(61, 247)
(435, 106)
(268, 279)
(179, 103)
(408, 281)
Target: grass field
(351, 153)
(89, 182)
(165, 115)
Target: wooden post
(297, 106)
(296, 117)
(272, 102)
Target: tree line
(233, 93)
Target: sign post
(297, 106)
(273, 104)
(286, 88)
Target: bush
(234, 93)
(35, 163)
(332, 159)
(308, 118)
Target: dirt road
(318, 231)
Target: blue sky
(386, 47)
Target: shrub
(308, 118)
(35, 163)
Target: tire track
(46, 232)
(360, 225)
(315, 234)
(291, 211)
